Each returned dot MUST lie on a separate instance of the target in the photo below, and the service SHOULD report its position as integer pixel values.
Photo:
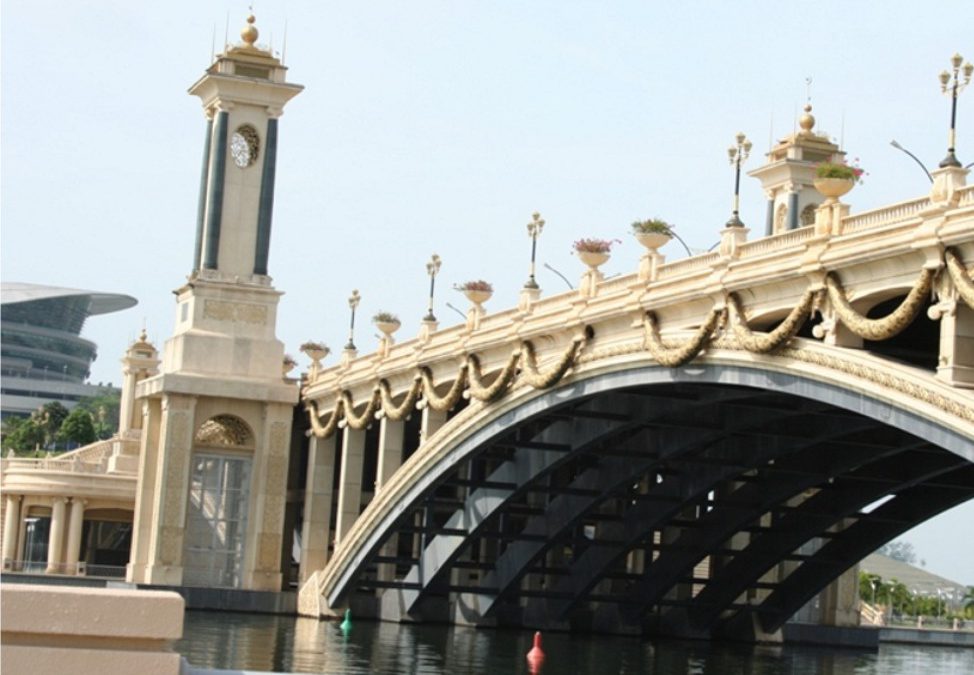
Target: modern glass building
(44, 357)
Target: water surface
(288, 644)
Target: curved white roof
(13, 292)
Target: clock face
(244, 146)
(240, 150)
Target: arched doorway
(216, 519)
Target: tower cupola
(788, 176)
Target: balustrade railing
(885, 215)
(688, 265)
(80, 569)
(776, 242)
(50, 464)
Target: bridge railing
(885, 215)
(966, 196)
(776, 243)
(775, 270)
(688, 265)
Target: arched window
(216, 519)
(225, 431)
(808, 215)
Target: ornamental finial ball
(807, 121)
(249, 32)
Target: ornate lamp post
(534, 231)
(353, 301)
(432, 269)
(952, 90)
(738, 154)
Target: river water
(287, 644)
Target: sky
(441, 127)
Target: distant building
(918, 581)
(44, 357)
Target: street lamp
(353, 301)
(534, 231)
(432, 269)
(738, 154)
(952, 90)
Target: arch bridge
(701, 448)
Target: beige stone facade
(220, 406)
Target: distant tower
(217, 418)
(789, 174)
(139, 363)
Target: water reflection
(288, 644)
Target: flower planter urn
(476, 296)
(833, 188)
(652, 240)
(592, 258)
(387, 327)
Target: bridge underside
(691, 509)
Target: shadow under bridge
(700, 501)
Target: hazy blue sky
(440, 127)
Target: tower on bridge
(788, 176)
(217, 418)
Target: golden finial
(249, 32)
(807, 121)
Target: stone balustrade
(877, 254)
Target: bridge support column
(956, 363)
(431, 423)
(316, 530)
(350, 482)
(390, 458)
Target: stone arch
(483, 425)
(226, 431)
(218, 503)
(807, 216)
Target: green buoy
(346, 625)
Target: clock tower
(216, 425)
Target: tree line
(895, 595)
(52, 427)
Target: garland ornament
(359, 422)
(891, 324)
(395, 412)
(677, 356)
(756, 341)
(542, 380)
(328, 428)
(443, 403)
(963, 284)
(484, 393)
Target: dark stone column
(769, 219)
(265, 209)
(204, 182)
(792, 210)
(214, 211)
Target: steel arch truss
(691, 508)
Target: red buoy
(536, 655)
